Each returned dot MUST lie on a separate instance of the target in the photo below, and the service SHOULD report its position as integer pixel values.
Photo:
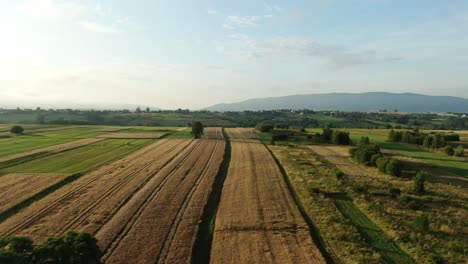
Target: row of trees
(370, 155)
(432, 141)
(73, 248)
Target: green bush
(449, 150)
(419, 182)
(363, 153)
(341, 138)
(374, 158)
(17, 130)
(393, 167)
(264, 127)
(382, 163)
(459, 151)
(339, 175)
(197, 129)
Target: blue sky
(191, 54)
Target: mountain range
(404, 102)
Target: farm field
(242, 134)
(82, 159)
(258, 220)
(442, 204)
(133, 135)
(134, 235)
(90, 201)
(213, 133)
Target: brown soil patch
(242, 134)
(213, 133)
(258, 220)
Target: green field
(389, 251)
(82, 159)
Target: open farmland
(213, 133)
(242, 134)
(89, 202)
(258, 220)
(82, 159)
(135, 135)
(135, 235)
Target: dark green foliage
(449, 150)
(73, 248)
(77, 248)
(395, 192)
(419, 183)
(374, 158)
(363, 153)
(17, 130)
(197, 129)
(393, 167)
(421, 223)
(364, 140)
(341, 138)
(382, 163)
(459, 151)
(10, 257)
(327, 134)
(339, 175)
(451, 137)
(264, 127)
(272, 141)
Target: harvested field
(15, 188)
(53, 149)
(213, 133)
(152, 135)
(161, 222)
(242, 134)
(89, 202)
(258, 220)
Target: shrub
(382, 164)
(421, 223)
(197, 129)
(373, 161)
(339, 175)
(341, 138)
(17, 130)
(20, 245)
(393, 167)
(449, 150)
(419, 183)
(459, 151)
(395, 192)
(452, 137)
(264, 127)
(11, 257)
(363, 153)
(361, 188)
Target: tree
(17, 130)
(138, 110)
(459, 151)
(148, 110)
(197, 129)
(419, 183)
(264, 127)
(341, 138)
(393, 167)
(449, 150)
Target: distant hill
(404, 102)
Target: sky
(193, 54)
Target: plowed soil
(213, 133)
(89, 202)
(160, 224)
(242, 134)
(53, 149)
(258, 220)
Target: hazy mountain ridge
(405, 102)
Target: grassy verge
(202, 249)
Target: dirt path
(257, 219)
(89, 202)
(160, 224)
(213, 133)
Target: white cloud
(98, 28)
(233, 22)
(287, 48)
(51, 9)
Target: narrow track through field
(258, 220)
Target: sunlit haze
(193, 54)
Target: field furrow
(258, 220)
(160, 223)
(89, 202)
